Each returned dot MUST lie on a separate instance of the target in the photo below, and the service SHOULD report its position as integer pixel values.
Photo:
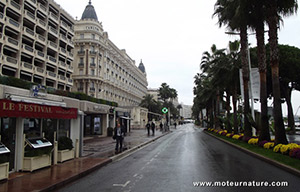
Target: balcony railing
(62, 77)
(12, 41)
(39, 69)
(16, 5)
(41, 54)
(42, 7)
(53, 30)
(29, 31)
(62, 64)
(14, 22)
(28, 48)
(52, 59)
(27, 65)
(51, 74)
(43, 23)
(11, 60)
(31, 15)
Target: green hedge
(15, 82)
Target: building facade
(36, 42)
(102, 70)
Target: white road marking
(121, 185)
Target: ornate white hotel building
(101, 69)
(42, 43)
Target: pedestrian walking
(119, 136)
(175, 124)
(148, 128)
(161, 126)
(153, 128)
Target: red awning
(10, 108)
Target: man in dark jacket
(119, 136)
(153, 128)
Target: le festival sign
(10, 108)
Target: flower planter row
(34, 163)
(291, 149)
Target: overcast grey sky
(168, 35)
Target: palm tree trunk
(245, 71)
(234, 101)
(229, 128)
(291, 119)
(261, 52)
(280, 136)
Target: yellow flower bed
(277, 148)
(286, 148)
(253, 141)
(236, 136)
(268, 145)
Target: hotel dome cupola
(142, 67)
(89, 12)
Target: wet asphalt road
(176, 161)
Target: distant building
(154, 93)
(186, 111)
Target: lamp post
(250, 80)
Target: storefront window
(64, 128)
(8, 136)
(32, 128)
(49, 127)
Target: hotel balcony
(12, 23)
(11, 42)
(15, 6)
(30, 16)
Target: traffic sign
(164, 110)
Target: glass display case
(3, 149)
(38, 143)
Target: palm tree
(257, 22)
(234, 15)
(149, 103)
(275, 8)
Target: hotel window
(81, 48)
(92, 72)
(80, 72)
(93, 36)
(93, 61)
(81, 36)
(81, 61)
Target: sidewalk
(98, 152)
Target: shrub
(65, 143)
(31, 152)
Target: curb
(266, 159)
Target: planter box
(65, 155)
(34, 163)
(4, 167)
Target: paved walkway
(98, 152)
